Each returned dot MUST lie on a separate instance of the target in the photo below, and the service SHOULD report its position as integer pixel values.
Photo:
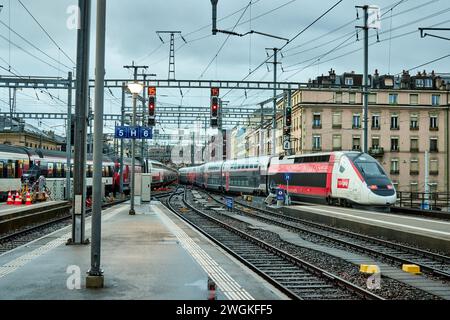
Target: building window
(317, 123)
(414, 98)
(394, 144)
(394, 166)
(348, 81)
(395, 184)
(372, 98)
(352, 97)
(415, 144)
(414, 167)
(317, 143)
(376, 121)
(394, 122)
(356, 123)
(433, 144)
(337, 142)
(338, 97)
(414, 122)
(356, 143)
(414, 189)
(337, 120)
(375, 143)
(434, 167)
(393, 98)
(434, 122)
(428, 83)
(436, 99)
(419, 83)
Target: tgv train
(18, 162)
(343, 178)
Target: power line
(426, 63)
(31, 54)
(45, 31)
(34, 46)
(290, 41)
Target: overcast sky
(131, 27)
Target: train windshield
(368, 166)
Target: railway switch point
(369, 268)
(411, 268)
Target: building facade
(408, 122)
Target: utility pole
(95, 276)
(172, 50)
(144, 142)
(426, 186)
(69, 138)
(81, 118)
(372, 12)
(274, 121)
(366, 80)
(122, 123)
(133, 141)
(261, 132)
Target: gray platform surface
(152, 255)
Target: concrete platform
(152, 255)
(6, 210)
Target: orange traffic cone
(18, 201)
(10, 200)
(28, 200)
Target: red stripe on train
(309, 191)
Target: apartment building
(408, 117)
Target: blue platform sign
(229, 203)
(287, 176)
(127, 132)
(280, 194)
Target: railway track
(436, 264)
(297, 278)
(17, 237)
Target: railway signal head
(288, 117)
(151, 106)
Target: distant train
(17, 162)
(339, 178)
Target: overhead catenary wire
(290, 41)
(45, 31)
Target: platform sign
(287, 145)
(229, 203)
(127, 132)
(287, 177)
(280, 194)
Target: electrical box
(146, 185)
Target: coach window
(11, 169)
(58, 171)
(50, 170)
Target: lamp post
(135, 88)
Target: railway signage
(280, 194)
(287, 176)
(229, 203)
(287, 145)
(127, 132)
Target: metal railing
(418, 200)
